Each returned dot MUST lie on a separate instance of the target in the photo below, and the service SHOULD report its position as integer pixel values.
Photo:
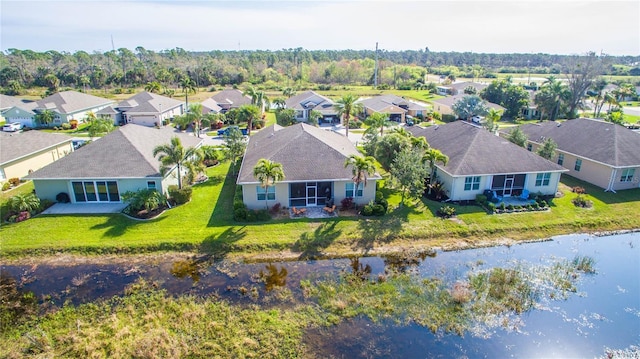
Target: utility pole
(375, 70)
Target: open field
(206, 225)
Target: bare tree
(581, 75)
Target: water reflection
(404, 261)
(360, 270)
(187, 268)
(273, 277)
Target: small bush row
(376, 208)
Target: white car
(12, 127)
(476, 119)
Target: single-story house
(313, 164)
(396, 107)
(229, 99)
(530, 111)
(601, 153)
(22, 153)
(458, 88)
(145, 108)
(445, 105)
(7, 102)
(66, 106)
(103, 170)
(480, 160)
(210, 106)
(309, 101)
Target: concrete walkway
(85, 208)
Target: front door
(311, 194)
(508, 187)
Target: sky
(481, 26)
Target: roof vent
(559, 124)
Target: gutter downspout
(614, 174)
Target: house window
(561, 159)
(270, 193)
(472, 183)
(95, 191)
(627, 175)
(529, 147)
(349, 189)
(151, 185)
(578, 165)
(542, 179)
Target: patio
(313, 212)
(85, 208)
(515, 201)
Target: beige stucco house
(313, 163)
(103, 170)
(145, 108)
(396, 107)
(308, 101)
(601, 153)
(445, 105)
(24, 152)
(480, 160)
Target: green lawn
(206, 224)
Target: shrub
(543, 203)
(481, 199)
(379, 210)
(14, 181)
(510, 207)
(144, 199)
(580, 201)
(66, 126)
(347, 203)
(503, 206)
(446, 211)
(240, 214)
(180, 195)
(22, 216)
(6, 186)
(62, 197)
(354, 123)
(491, 206)
(24, 202)
(367, 210)
(276, 208)
(578, 190)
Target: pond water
(603, 313)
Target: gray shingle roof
(16, 145)
(450, 100)
(7, 102)
(311, 100)
(233, 97)
(211, 105)
(306, 153)
(68, 102)
(597, 140)
(147, 102)
(378, 103)
(473, 150)
(124, 153)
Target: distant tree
(552, 96)
(491, 120)
(347, 107)
(470, 106)
(581, 74)
(288, 92)
(268, 173)
(153, 86)
(173, 155)
(389, 146)
(195, 117)
(286, 117)
(518, 137)
(98, 126)
(470, 90)
(258, 98)
(377, 120)
(408, 172)
(598, 95)
(548, 149)
(279, 103)
(419, 143)
(188, 86)
(235, 145)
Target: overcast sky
(530, 26)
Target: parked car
(225, 131)
(12, 127)
(476, 119)
(78, 143)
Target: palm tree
(249, 113)
(195, 117)
(280, 103)
(188, 86)
(258, 98)
(361, 167)
(153, 86)
(347, 106)
(377, 120)
(432, 156)
(288, 92)
(44, 118)
(24, 202)
(173, 155)
(268, 173)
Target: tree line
(125, 68)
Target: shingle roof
(597, 140)
(378, 103)
(109, 110)
(311, 100)
(124, 153)
(307, 153)
(68, 102)
(231, 96)
(16, 145)
(7, 102)
(472, 150)
(211, 105)
(147, 102)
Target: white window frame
(472, 183)
(270, 193)
(543, 179)
(627, 175)
(349, 187)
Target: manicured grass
(206, 224)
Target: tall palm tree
(248, 113)
(195, 117)
(346, 107)
(361, 167)
(377, 120)
(288, 92)
(432, 157)
(153, 86)
(173, 155)
(188, 86)
(258, 98)
(268, 173)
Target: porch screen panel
(78, 191)
(102, 191)
(114, 195)
(298, 194)
(498, 182)
(518, 181)
(90, 192)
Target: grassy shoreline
(205, 225)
